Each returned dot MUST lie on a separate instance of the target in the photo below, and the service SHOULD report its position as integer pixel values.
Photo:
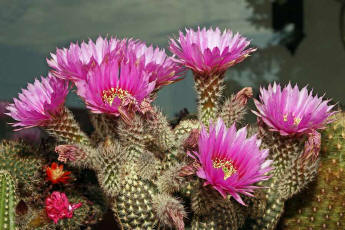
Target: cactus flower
(230, 162)
(75, 62)
(55, 174)
(209, 52)
(116, 87)
(58, 206)
(161, 68)
(39, 103)
(292, 111)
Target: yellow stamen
(226, 165)
(57, 173)
(296, 121)
(285, 117)
(109, 95)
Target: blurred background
(298, 40)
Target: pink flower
(75, 62)
(158, 65)
(292, 111)
(39, 103)
(117, 87)
(58, 207)
(210, 51)
(229, 161)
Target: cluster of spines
(21, 161)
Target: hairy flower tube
(58, 206)
(291, 111)
(56, 174)
(209, 52)
(117, 87)
(161, 68)
(230, 162)
(39, 103)
(75, 62)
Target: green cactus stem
(209, 90)
(19, 159)
(322, 204)
(7, 201)
(65, 128)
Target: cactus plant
(321, 205)
(21, 160)
(209, 171)
(8, 201)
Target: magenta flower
(116, 87)
(58, 207)
(39, 103)
(210, 51)
(158, 65)
(292, 111)
(229, 161)
(75, 62)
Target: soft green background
(31, 29)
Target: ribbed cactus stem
(18, 159)
(321, 205)
(105, 125)
(65, 128)
(133, 206)
(209, 90)
(295, 165)
(274, 210)
(7, 201)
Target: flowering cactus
(149, 173)
(40, 103)
(116, 87)
(292, 111)
(289, 119)
(209, 53)
(230, 162)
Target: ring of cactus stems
(40, 103)
(210, 52)
(230, 162)
(75, 62)
(292, 111)
(116, 87)
(161, 68)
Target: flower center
(108, 96)
(296, 120)
(57, 173)
(226, 165)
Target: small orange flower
(55, 174)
